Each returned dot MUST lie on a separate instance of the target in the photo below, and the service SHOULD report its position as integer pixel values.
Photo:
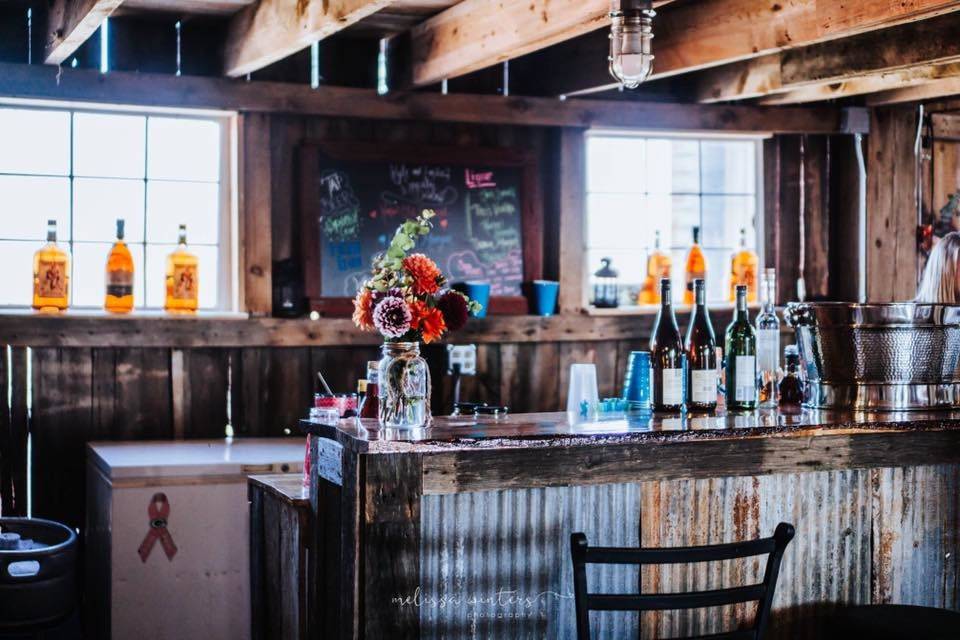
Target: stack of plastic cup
(636, 383)
(582, 395)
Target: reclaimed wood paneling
(7, 454)
(256, 198)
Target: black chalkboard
(357, 196)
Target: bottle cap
(362, 385)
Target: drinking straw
(324, 383)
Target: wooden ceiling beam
(475, 34)
(693, 36)
(919, 93)
(908, 53)
(271, 30)
(71, 22)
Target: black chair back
(762, 593)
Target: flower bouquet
(407, 300)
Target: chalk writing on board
(478, 179)
(426, 186)
(339, 207)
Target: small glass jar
(404, 386)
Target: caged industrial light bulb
(631, 38)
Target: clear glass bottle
(51, 274)
(403, 385)
(667, 356)
(182, 278)
(743, 270)
(119, 296)
(741, 358)
(768, 340)
(791, 387)
(696, 267)
(658, 268)
(701, 346)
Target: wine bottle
(658, 267)
(768, 340)
(701, 346)
(741, 356)
(743, 270)
(667, 356)
(119, 297)
(696, 266)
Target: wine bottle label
(185, 282)
(703, 386)
(745, 383)
(52, 280)
(768, 348)
(672, 387)
(120, 283)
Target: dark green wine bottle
(741, 357)
(701, 347)
(667, 358)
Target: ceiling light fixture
(631, 38)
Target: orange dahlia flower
(429, 321)
(363, 309)
(425, 273)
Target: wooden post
(256, 181)
(573, 267)
(891, 205)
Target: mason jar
(404, 386)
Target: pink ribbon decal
(159, 511)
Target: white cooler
(167, 538)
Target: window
(638, 185)
(85, 169)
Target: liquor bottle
(658, 268)
(741, 356)
(701, 345)
(791, 387)
(768, 340)
(182, 278)
(371, 401)
(667, 357)
(119, 298)
(51, 274)
(743, 270)
(696, 266)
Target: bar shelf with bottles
(693, 373)
(51, 276)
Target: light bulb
(631, 38)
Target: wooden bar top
(288, 487)
(553, 430)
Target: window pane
(729, 166)
(98, 202)
(16, 260)
(718, 276)
(183, 149)
(616, 164)
(623, 220)
(208, 274)
(685, 166)
(195, 204)
(27, 202)
(685, 216)
(109, 146)
(34, 141)
(724, 216)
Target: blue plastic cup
(636, 383)
(545, 297)
(477, 291)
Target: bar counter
(462, 529)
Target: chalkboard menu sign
(354, 196)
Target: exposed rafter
(918, 93)
(274, 29)
(71, 22)
(691, 36)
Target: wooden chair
(583, 554)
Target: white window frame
(228, 281)
(759, 212)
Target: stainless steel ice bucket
(879, 356)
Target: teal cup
(545, 297)
(477, 291)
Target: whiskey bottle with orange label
(696, 268)
(658, 268)
(119, 298)
(744, 268)
(182, 278)
(51, 274)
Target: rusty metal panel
(698, 512)
(916, 532)
(496, 564)
(828, 562)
